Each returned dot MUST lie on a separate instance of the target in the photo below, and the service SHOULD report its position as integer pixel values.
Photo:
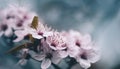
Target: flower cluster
(14, 18)
(46, 45)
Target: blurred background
(100, 18)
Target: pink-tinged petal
(56, 58)
(73, 51)
(37, 36)
(88, 46)
(39, 57)
(60, 48)
(8, 32)
(46, 34)
(94, 56)
(18, 39)
(22, 62)
(94, 59)
(45, 63)
(36, 56)
(86, 39)
(20, 35)
(63, 54)
(84, 63)
(52, 47)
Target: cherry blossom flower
(22, 55)
(40, 32)
(87, 56)
(81, 48)
(16, 16)
(71, 49)
(56, 41)
(77, 40)
(46, 55)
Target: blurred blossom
(82, 49)
(15, 18)
(56, 41)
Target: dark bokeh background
(100, 18)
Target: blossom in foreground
(46, 55)
(56, 41)
(39, 33)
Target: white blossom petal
(36, 36)
(18, 39)
(94, 57)
(56, 58)
(20, 35)
(39, 57)
(22, 62)
(63, 54)
(8, 32)
(45, 63)
(86, 39)
(84, 63)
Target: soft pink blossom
(81, 48)
(46, 55)
(39, 33)
(87, 56)
(56, 41)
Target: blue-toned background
(100, 18)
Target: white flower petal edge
(45, 63)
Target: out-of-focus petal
(8, 32)
(56, 58)
(84, 63)
(1, 33)
(45, 63)
(63, 54)
(22, 62)
(94, 56)
(86, 39)
(39, 57)
(20, 35)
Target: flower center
(49, 55)
(25, 17)
(78, 43)
(20, 23)
(4, 27)
(53, 44)
(40, 33)
(83, 56)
